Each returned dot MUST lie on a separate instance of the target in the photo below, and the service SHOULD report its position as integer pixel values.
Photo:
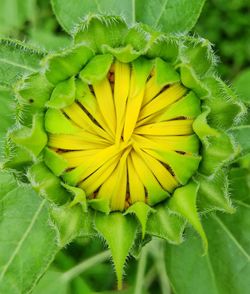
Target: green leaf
(6, 100)
(166, 15)
(241, 83)
(13, 15)
(27, 241)
(240, 184)
(242, 134)
(17, 59)
(169, 15)
(226, 267)
(47, 284)
(69, 13)
(6, 114)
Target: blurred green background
(227, 25)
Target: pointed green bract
(61, 66)
(100, 205)
(165, 73)
(183, 202)
(34, 90)
(96, 31)
(142, 211)
(214, 193)
(96, 69)
(68, 222)
(191, 80)
(55, 162)
(57, 123)
(226, 109)
(214, 156)
(124, 54)
(47, 184)
(63, 95)
(165, 47)
(165, 224)
(79, 196)
(202, 128)
(34, 139)
(124, 229)
(198, 54)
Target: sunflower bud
(128, 129)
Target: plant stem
(86, 264)
(141, 270)
(161, 268)
(149, 278)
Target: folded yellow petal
(132, 113)
(154, 190)
(187, 144)
(94, 181)
(167, 97)
(76, 142)
(121, 91)
(82, 119)
(151, 90)
(89, 102)
(164, 177)
(136, 188)
(105, 102)
(76, 158)
(174, 127)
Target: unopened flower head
(131, 124)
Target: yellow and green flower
(127, 135)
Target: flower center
(128, 137)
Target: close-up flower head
(126, 134)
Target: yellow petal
(115, 188)
(167, 97)
(132, 113)
(121, 91)
(89, 102)
(164, 177)
(136, 188)
(105, 102)
(174, 127)
(155, 192)
(92, 163)
(189, 144)
(80, 117)
(152, 89)
(76, 158)
(74, 142)
(94, 181)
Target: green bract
(126, 134)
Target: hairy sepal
(119, 231)
(183, 202)
(97, 30)
(166, 224)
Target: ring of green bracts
(98, 42)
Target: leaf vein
(20, 243)
(231, 236)
(17, 64)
